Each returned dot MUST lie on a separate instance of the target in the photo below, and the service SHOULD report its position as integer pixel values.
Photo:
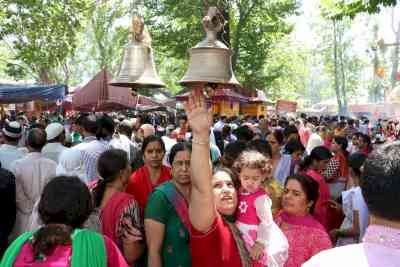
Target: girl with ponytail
(119, 212)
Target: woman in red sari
(152, 173)
(215, 240)
(306, 236)
(119, 212)
(313, 166)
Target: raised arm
(202, 212)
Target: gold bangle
(200, 142)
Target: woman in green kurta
(166, 214)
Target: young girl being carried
(266, 243)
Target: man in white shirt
(219, 125)
(169, 142)
(32, 173)
(9, 151)
(121, 140)
(55, 139)
(90, 147)
(316, 139)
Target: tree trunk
(44, 76)
(395, 59)
(376, 65)
(343, 73)
(336, 72)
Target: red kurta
(321, 207)
(140, 185)
(216, 248)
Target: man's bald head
(36, 139)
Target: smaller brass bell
(137, 69)
(210, 60)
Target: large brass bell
(210, 60)
(137, 69)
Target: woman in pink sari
(313, 166)
(119, 212)
(306, 236)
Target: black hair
(109, 165)
(11, 139)
(65, 200)
(293, 146)
(356, 161)
(105, 126)
(261, 146)
(342, 142)
(309, 186)
(36, 139)
(283, 123)
(318, 153)
(244, 133)
(367, 140)
(290, 129)
(182, 117)
(278, 134)
(88, 123)
(226, 131)
(151, 139)
(380, 182)
(232, 152)
(178, 147)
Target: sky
(309, 8)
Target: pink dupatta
(306, 237)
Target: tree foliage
(253, 27)
(108, 38)
(346, 8)
(41, 34)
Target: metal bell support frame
(137, 69)
(210, 60)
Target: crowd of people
(98, 189)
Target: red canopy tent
(98, 95)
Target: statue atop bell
(213, 24)
(137, 69)
(139, 31)
(210, 62)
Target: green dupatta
(88, 249)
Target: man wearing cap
(9, 151)
(55, 138)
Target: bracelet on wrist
(200, 142)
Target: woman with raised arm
(215, 240)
